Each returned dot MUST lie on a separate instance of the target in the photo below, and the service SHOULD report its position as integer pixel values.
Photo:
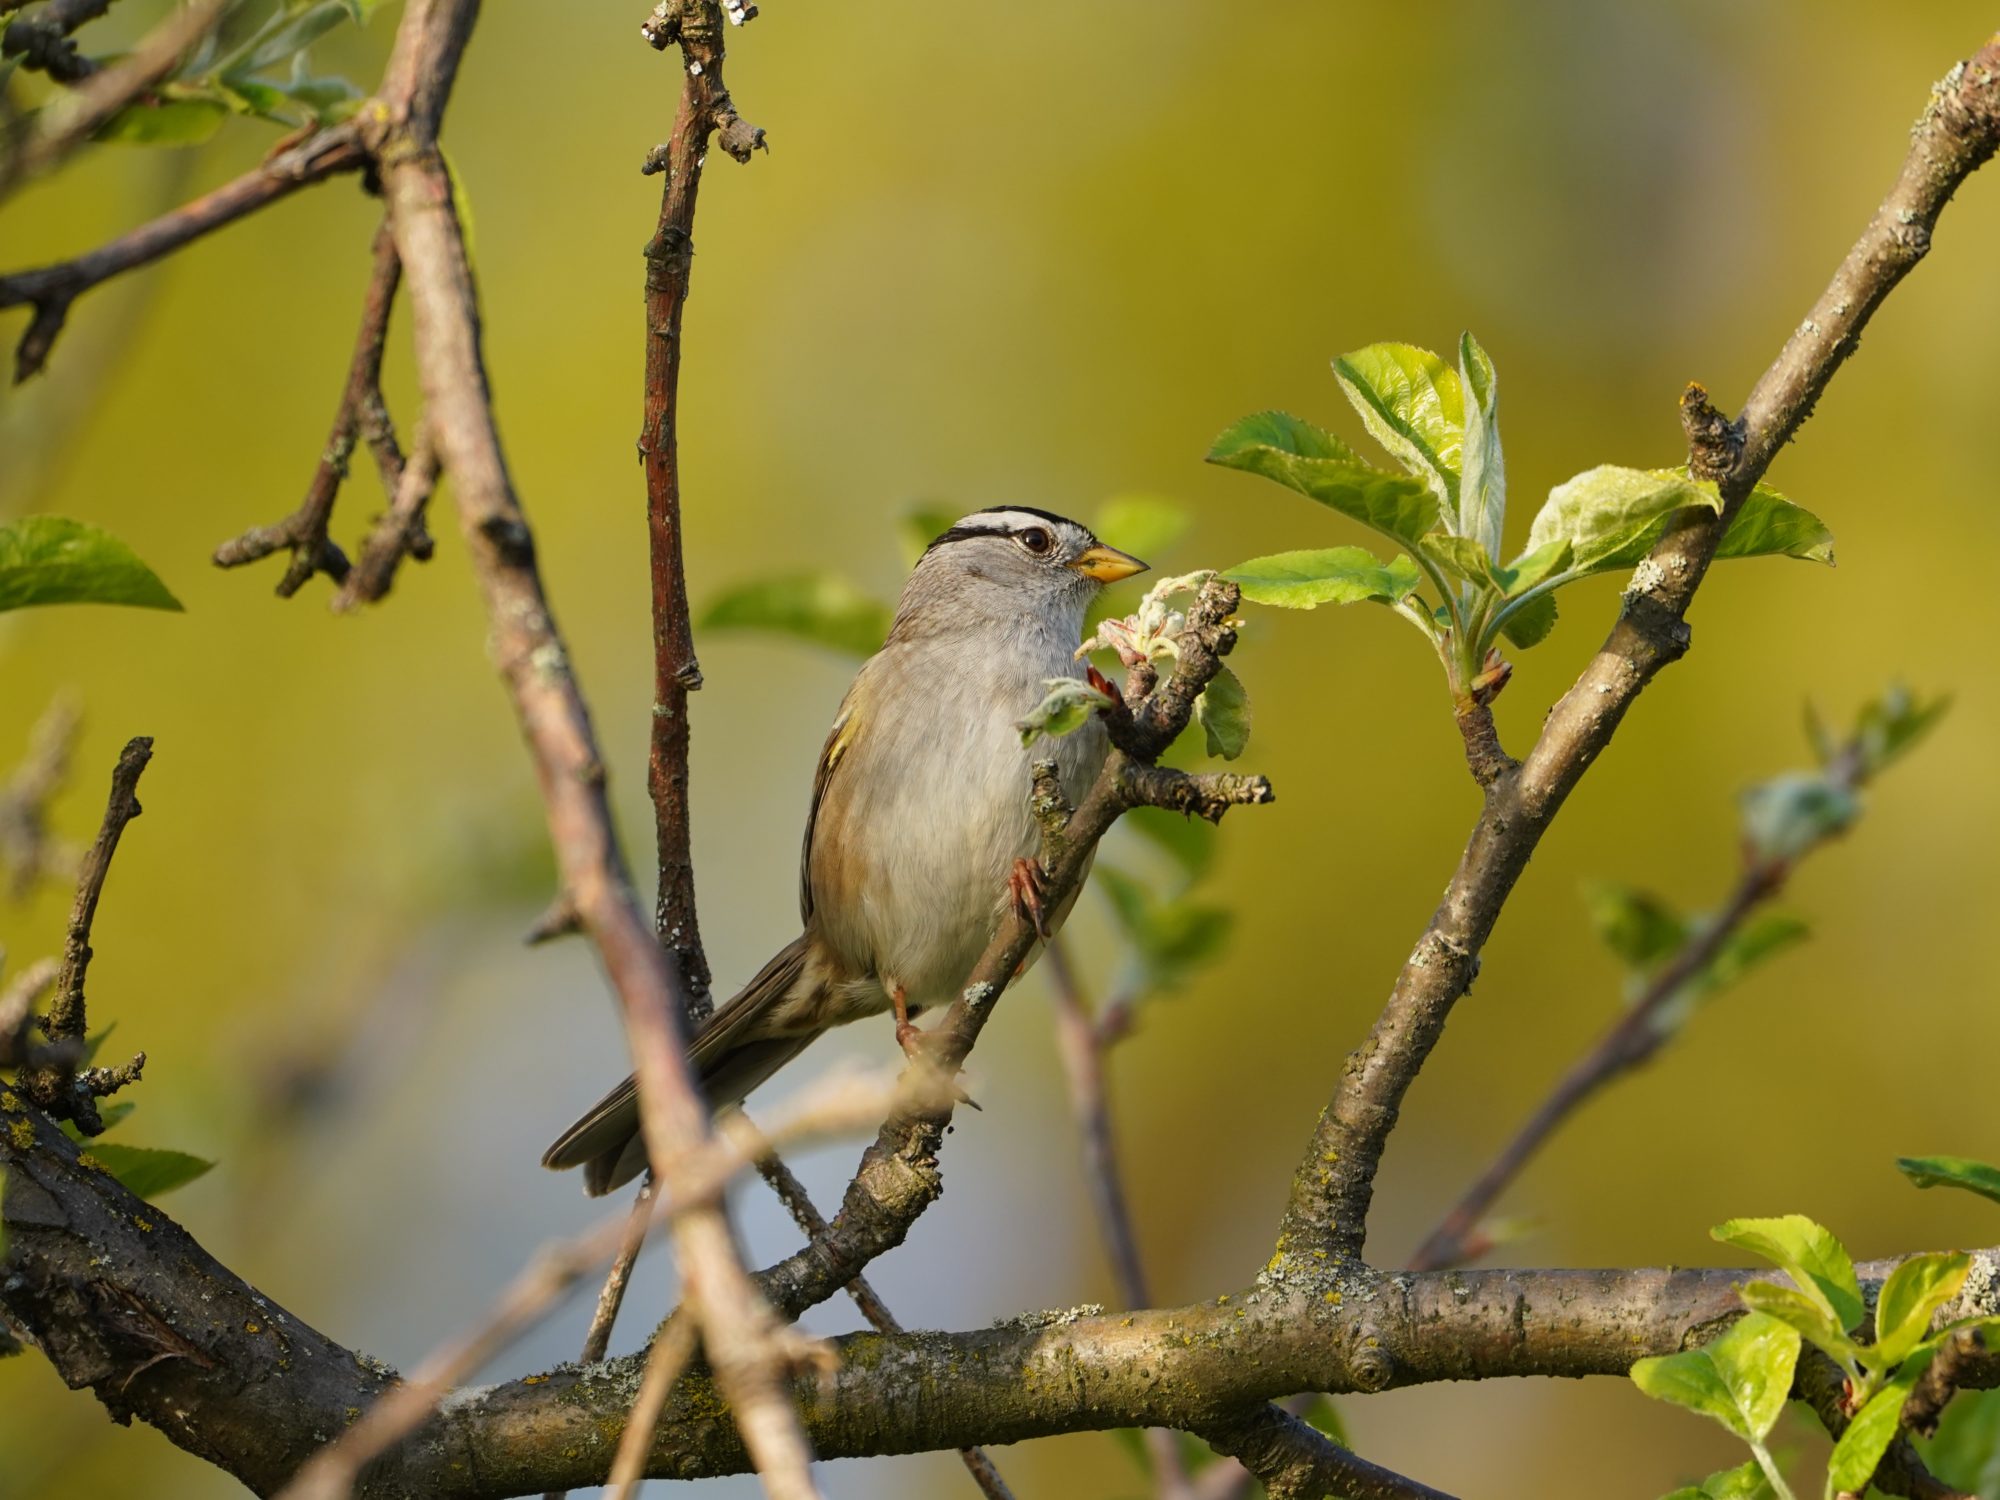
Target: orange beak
(1107, 564)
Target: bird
(919, 839)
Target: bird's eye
(1037, 541)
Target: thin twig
(704, 107)
(673, 1347)
(29, 850)
(805, 1213)
(1080, 1044)
(54, 1079)
(399, 532)
(1629, 1043)
(304, 532)
(611, 1296)
(50, 290)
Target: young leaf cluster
(1743, 1378)
(1448, 510)
(51, 560)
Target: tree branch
(1328, 1208)
(50, 290)
(106, 1285)
(361, 410)
(705, 107)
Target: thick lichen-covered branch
(124, 1302)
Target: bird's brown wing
(839, 740)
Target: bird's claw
(1027, 885)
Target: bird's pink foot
(909, 1035)
(1026, 886)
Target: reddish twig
(361, 410)
(698, 28)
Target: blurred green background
(1040, 255)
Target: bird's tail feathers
(729, 1061)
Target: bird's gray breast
(934, 808)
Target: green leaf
(1224, 711)
(1170, 939)
(165, 122)
(50, 560)
(146, 1172)
(1608, 514)
(285, 33)
(1744, 1482)
(820, 607)
(1867, 1438)
(1769, 525)
(1741, 1379)
(1324, 575)
(1318, 465)
(1636, 925)
(1789, 814)
(1810, 1253)
(1066, 706)
(1143, 525)
(1798, 1310)
(1188, 840)
(1952, 1171)
(3, 1232)
(1752, 943)
(1531, 568)
(1531, 623)
(1320, 1413)
(1482, 491)
(1460, 556)
(1411, 402)
(1909, 1300)
(1966, 1451)
(1889, 727)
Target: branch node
(1715, 443)
(560, 919)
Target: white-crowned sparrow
(919, 836)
